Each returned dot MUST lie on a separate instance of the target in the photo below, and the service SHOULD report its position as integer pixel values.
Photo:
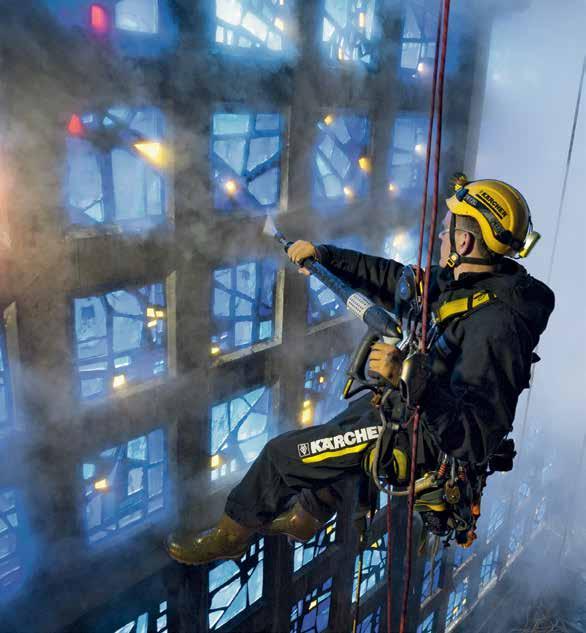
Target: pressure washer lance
(381, 323)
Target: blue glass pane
(246, 160)
(312, 613)
(156, 615)
(348, 31)
(115, 168)
(239, 429)
(489, 567)
(427, 625)
(304, 553)
(419, 37)
(235, 585)
(261, 27)
(407, 156)
(371, 623)
(243, 299)
(516, 537)
(457, 602)
(6, 419)
(124, 486)
(374, 564)
(539, 513)
(121, 339)
(15, 544)
(431, 574)
(462, 554)
(137, 28)
(341, 162)
(496, 518)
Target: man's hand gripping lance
(382, 324)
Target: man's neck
(472, 268)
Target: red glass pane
(99, 19)
(75, 126)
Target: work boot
(227, 539)
(296, 523)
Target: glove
(301, 250)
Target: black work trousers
(300, 464)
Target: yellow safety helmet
(502, 214)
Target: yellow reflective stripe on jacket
(331, 454)
(465, 304)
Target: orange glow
(119, 381)
(321, 380)
(392, 187)
(154, 152)
(215, 461)
(99, 19)
(348, 192)
(152, 323)
(328, 119)
(231, 187)
(362, 20)
(75, 127)
(279, 24)
(420, 67)
(215, 350)
(101, 485)
(364, 163)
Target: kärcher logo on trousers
(337, 442)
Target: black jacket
(484, 361)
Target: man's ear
(466, 243)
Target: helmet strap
(455, 259)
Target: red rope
(389, 565)
(425, 310)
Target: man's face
(444, 236)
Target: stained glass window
(488, 568)
(304, 553)
(516, 537)
(235, 585)
(246, 160)
(243, 305)
(138, 28)
(431, 574)
(539, 513)
(124, 486)
(457, 603)
(374, 561)
(341, 162)
(496, 518)
(524, 490)
(261, 26)
(121, 339)
(12, 543)
(107, 150)
(407, 155)
(419, 35)
(141, 623)
(427, 625)
(239, 429)
(311, 615)
(323, 388)
(5, 387)
(462, 555)
(348, 32)
(371, 623)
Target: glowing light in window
(154, 152)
